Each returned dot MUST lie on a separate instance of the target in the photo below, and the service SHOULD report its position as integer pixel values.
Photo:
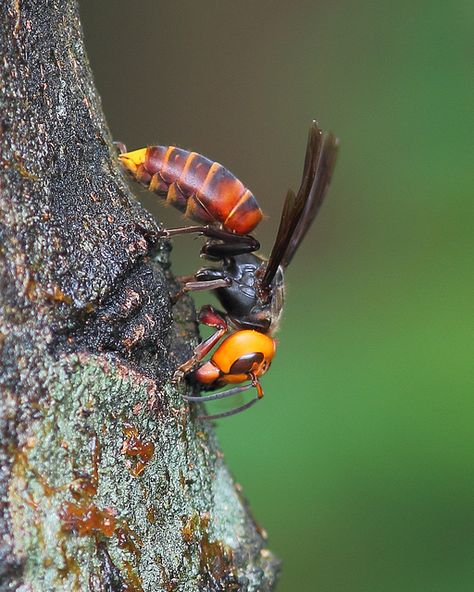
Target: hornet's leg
(122, 149)
(215, 250)
(210, 317)
(183, 279)
(200, 286)
(232, 244)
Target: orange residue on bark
(87, 519)
(135, 446)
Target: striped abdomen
(201, 189)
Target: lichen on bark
(108, 482)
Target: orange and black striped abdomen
(203, 190)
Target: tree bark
(107, 480)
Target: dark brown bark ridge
(88, 344)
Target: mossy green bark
(88, 345)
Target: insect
(249, 287)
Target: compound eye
(246, 363)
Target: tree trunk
(107, 480)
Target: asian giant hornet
(249, 287)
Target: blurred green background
(360, 460)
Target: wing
(299, 211)
(289, 217)
(322, 167)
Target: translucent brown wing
(320, 175)
(299, 211)
(289, 217)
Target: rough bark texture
(107, 482)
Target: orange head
(243, 355)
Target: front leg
(212, 318)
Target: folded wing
(300, 210)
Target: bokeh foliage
(359, 462)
